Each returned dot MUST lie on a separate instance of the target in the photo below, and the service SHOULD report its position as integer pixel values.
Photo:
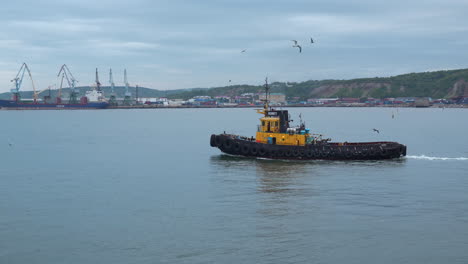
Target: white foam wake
(424, 157)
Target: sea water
(144, 186)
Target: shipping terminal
(93, 99)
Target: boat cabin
(274, 129)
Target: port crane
(112, 98)
(19, 80)
(98, 84)
(68, 76)
(128, 95)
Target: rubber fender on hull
(212, 140)
(280, 153)
(384, 152)
(273, 153)
(236, 147)
(227, 144)
(254, 150)
(372, 151)
(262, 151)
(365, 153)
(347, 153)
(218, 141)
(245, 149)
(295, 153)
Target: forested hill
(437, 84)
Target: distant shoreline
(243, 106)
(288, 106)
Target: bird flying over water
(243, 50)
(376, 130)
(298, 46)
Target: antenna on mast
(267, 91)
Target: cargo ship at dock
(93, 99)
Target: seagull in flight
(376, 130)
(311, 40)
(243, 50)
(298, 46)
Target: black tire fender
(365, 152)
(262, 151)
(254, 150)
(273, 153)
(212, 140)
(245, 149)
(218, 141)
(280, 153)
(372, 151)
(236, 147)
(295, 153)
(227, 144)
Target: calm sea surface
(144, 186)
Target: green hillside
(438, 84)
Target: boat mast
(266, 101)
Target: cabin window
(276, 123)
(263, 123)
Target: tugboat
(275, 139)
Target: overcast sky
(184, 44)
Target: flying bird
(376, 130)
(243, 50)
(311, 40)
(298, 46)
(295, 41)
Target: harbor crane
(112, 98)
(68, 76)
(128, 95)
(19, 80)
(98, 84)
